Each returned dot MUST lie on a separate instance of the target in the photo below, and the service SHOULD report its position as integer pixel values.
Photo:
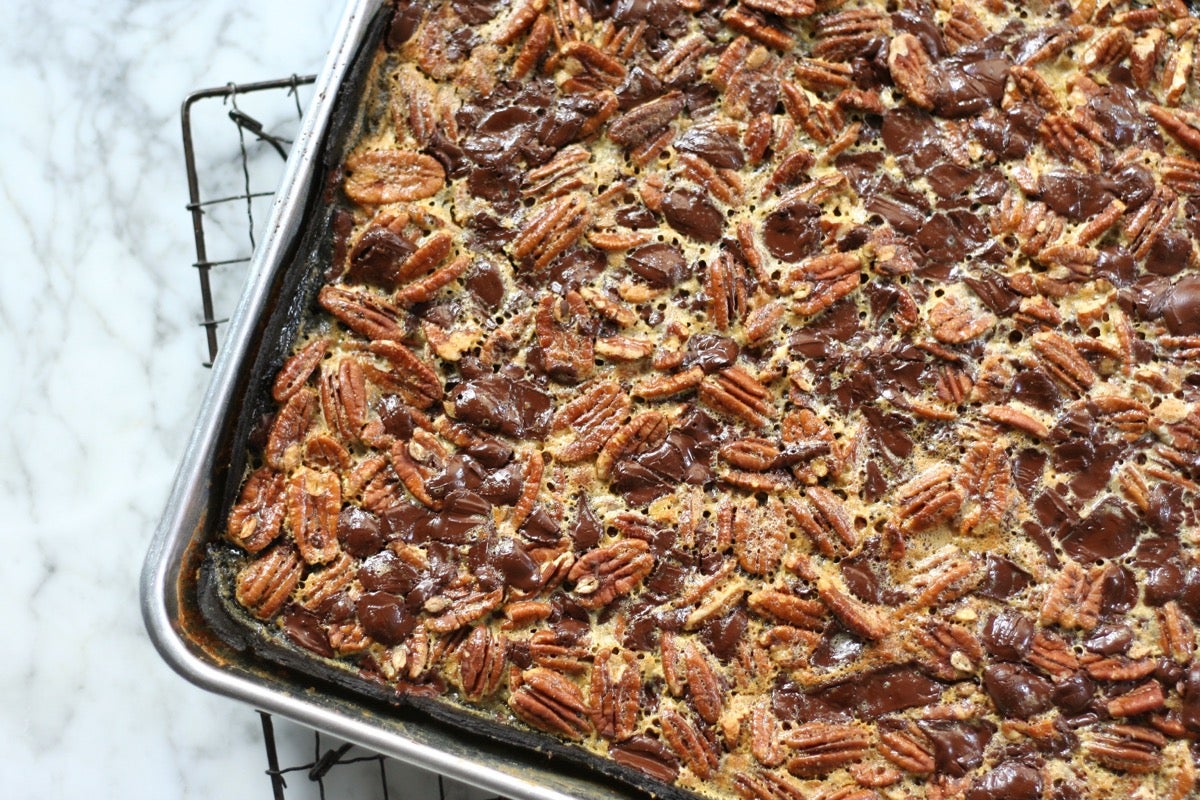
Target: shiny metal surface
(173, 622)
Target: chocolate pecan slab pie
(779, 399)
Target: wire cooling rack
(235, 142)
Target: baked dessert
(778, 398)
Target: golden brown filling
(782, 398)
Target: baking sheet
(270, 311)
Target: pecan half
(643, 432)
(288, 430)
(314, 500)
(604, 574)
(1130, 748)
(788, 608)
(362, 311)
(644, 122)
(296, 371)
(908, 748)
(481, 663)
(726, 290)
(759, 537)
(928, 500)
(265, 584)
(257, 517)
(819, 748)
(551, 229)
(593, 418)
(911, 68)
(614, 700)
(869, 621)
(344, 398)
(377, 177)
(822, 517)
(564, 331)
(552, 703)
(690, 743)
(736, 392)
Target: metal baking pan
(267, 317)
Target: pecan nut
(377, 177)
(604, 574)
(550, 702)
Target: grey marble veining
(101, 378)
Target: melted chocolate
(689, 211)
(497, 403)
(486, 285)
(711, 352)
(1008, 635)
(305, 629)
(386, 572)
(1109, 531)
(1181, 307)
(867, 696)
(965, 85)
(1017, 691)
(1074, 694)
(1075, 195)
(359, 532)
(1002, 578)
(724, 634)
(376, 256)
(519, 568)
(660, 265)
(721, 150)
(793, 232)
(646, 755)
(1011, 780)
(385, 618)
(958, 746)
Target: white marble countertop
(103, 375)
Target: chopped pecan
(314, 500)
(1072, 139)
(257, 517)
(265, 584)
(602, 575)
(690, 743)
(377, 177)
(481, 663)
(548, 701)
(1129, 748)
(819, 748)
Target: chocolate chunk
(1181, 307)
(965, 85)
(462, 512)
(861, 169)
(1108, 640)
(572, 269)
(1010, 134)
(918, 20)
(485, 284)
(501, 135)
(793, 231)
(461, 473)
(1002, 578)
(1170, 252)
(995, 291)
(635, 217)
(689, 211)
(586, 531)
(646, 755)
(1074, 694)
(406, 18)
(711, 352)
(902, 206)
(376, 256)
(1075, 195)
(1109, 531)
(359, 532)
(836, 648)
(1134, 185)
(1028, 467)
(304, 628)
(958, 746)
(951, 237)
(1119, 591)
(1036, 388)
(660, 265)
(1017, 691)
(724, 634)
(497, 403)
(717, 148)
(908, 130)
(385, 572)
(639, 86)
(1116, 113)
(385, 618)
(1011, 780)
(873, 694)
(519, 568)
(950, 180)
(1008, 635)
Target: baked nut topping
(774, 398)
